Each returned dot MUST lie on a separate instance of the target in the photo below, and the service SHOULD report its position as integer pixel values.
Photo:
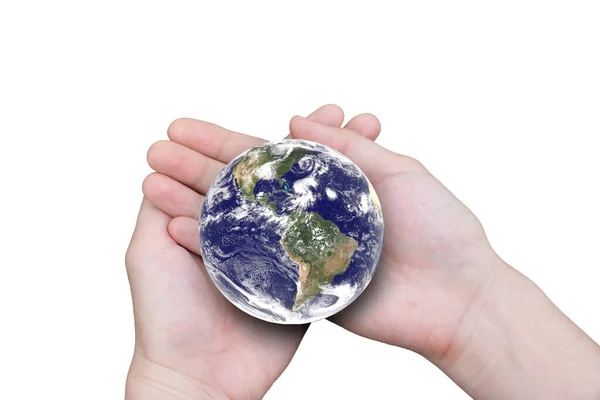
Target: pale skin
(440, 289)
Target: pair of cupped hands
(435, 270)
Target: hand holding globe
(182, 321)
(291, 231)
(412, 299)
(439, 289)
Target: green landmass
(245, 170)
(320, 249)
(285, 164)
(317, 245)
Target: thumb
(375, 161)
(149, 237)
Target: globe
(291, 231)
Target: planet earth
(291, 231)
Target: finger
(172, 197)
(184, 165)
(366, 125)
(211, 140)
(184, 231)
(376, 161)
(163, 275)
(329, 114)
(224, 145)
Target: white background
(500, 100)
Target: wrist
(514, 343)
(150, 381)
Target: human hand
(436, 259)
(442, 291)
(190, 341)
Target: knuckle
(411, 163)
(130, 256)
(134, 257)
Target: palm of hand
(196, 332)
(183, 324)
(436, 264)
(430, 271)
